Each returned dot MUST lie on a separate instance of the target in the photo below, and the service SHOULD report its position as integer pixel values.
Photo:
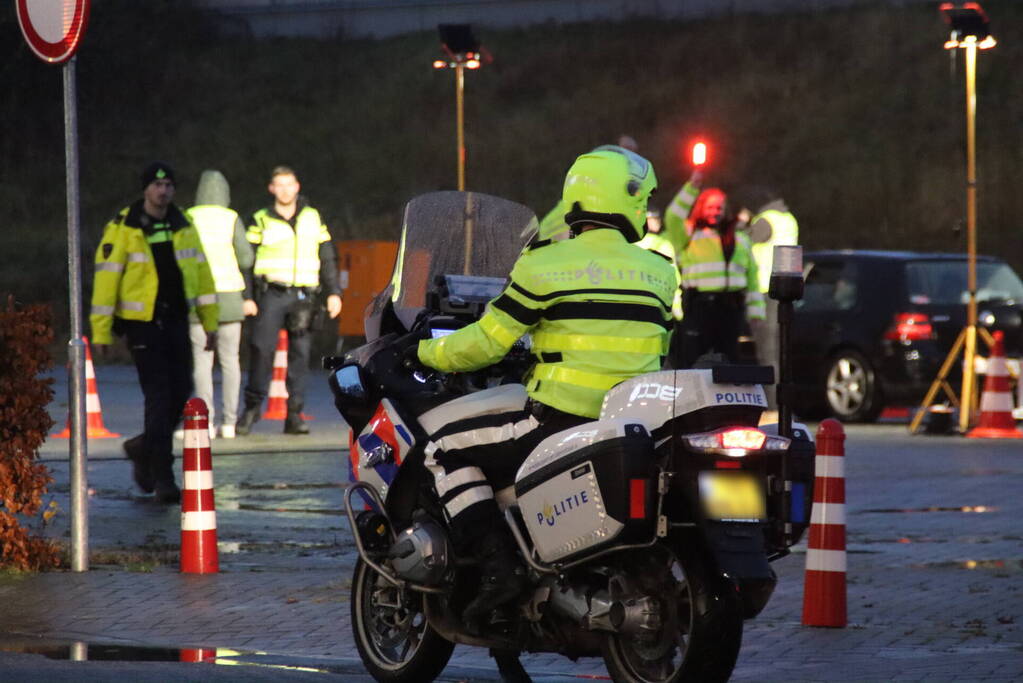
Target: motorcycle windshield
(450, 233)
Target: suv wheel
(850, 388)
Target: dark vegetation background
(855, 116)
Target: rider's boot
(502, 576)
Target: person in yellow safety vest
(771, 225)
(229, 253)
(553, 225)
(295, 262)
(719, 284)
(598, 310)
(151, 272)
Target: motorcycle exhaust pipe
(635, 616)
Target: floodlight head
(969, 25)
(457, 39)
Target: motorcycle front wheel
(701, 624)
(394, 639)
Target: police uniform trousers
(163, 358)
(274, 307)
(471, 459)
(711, 322)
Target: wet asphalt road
(935, 546)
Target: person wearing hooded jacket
(151, 273)
(598, 311)
(229, 254)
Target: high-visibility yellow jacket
(598, 311)
(126, 281)
(662, 244)
(778, 222)
(285, 255)
(703, 267)
(675, 226)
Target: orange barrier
(93, 412)
(996, 420)
(824, 590)
(198, 510)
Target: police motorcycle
(647, 533)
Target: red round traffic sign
(53, 28)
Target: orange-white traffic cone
(93, 412)
(198, 511)
(277, 403)
(277, 398)
(996, 421)
(824, 591)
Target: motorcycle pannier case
(590, 487)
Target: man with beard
(294, 263)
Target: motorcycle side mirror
(332, 362)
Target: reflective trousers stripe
(466, 499)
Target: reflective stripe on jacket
(284, 255)
(215, 225)
(598, 310)
(675, 216)
(784, 230)
(703, 267)
(125, 283)
(660, 243)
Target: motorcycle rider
(598, 309)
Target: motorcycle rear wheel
(701, 628)
(395, 641)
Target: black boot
(141, 471)
(167, 490)
(245, 422)
(294, 424)
(502, 576)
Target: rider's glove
(410, 357)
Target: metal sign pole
(76, 346)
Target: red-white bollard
(824, 591)
(198, 511)
(197, 654)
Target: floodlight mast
(969, 31)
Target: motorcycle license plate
(732, 496)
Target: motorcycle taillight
(735, 442)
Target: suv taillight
(910, 327)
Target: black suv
(874, 327)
